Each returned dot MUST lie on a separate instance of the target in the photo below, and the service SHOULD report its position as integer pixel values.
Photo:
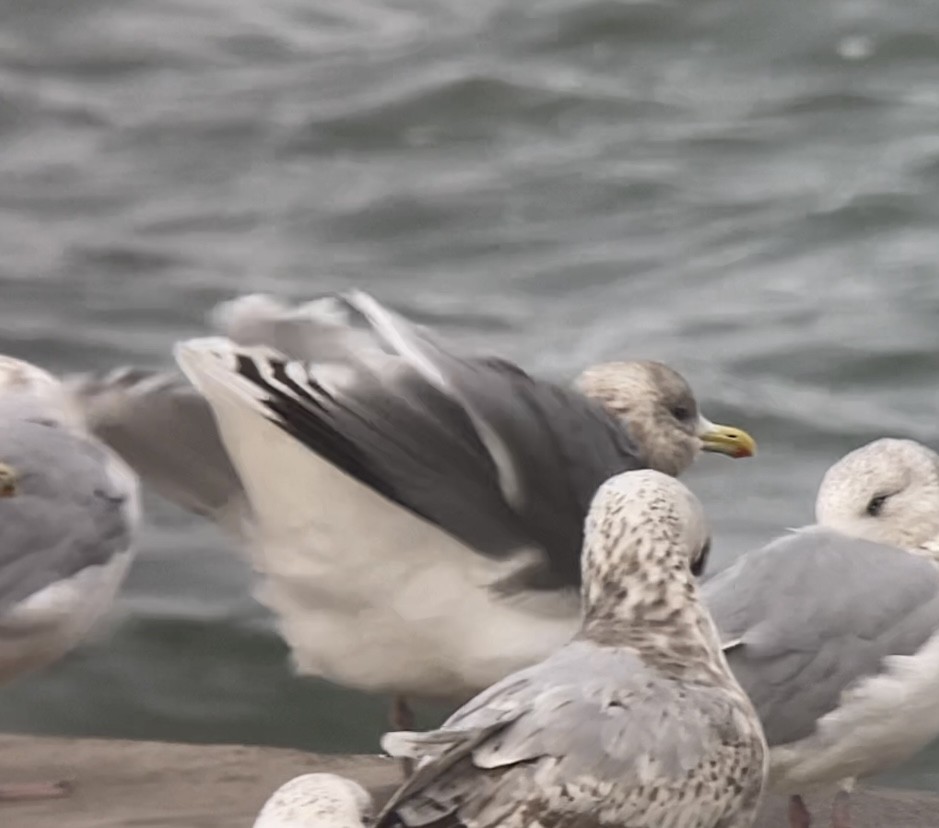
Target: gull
(317, 800)
(416, 515)
(636, 723)
(834, 631)
(69, 515)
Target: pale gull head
(886, 492)
(317, 800)
(29, 385)
(19, 376)
(646, 537)
(662, 414)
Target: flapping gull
(317, 800)
(68, 515)
(637, 722)
(381, 468)
(834, 634)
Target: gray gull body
(417, 516)
(834, 634)
(636, 723)
(68, 518)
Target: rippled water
(745, 190)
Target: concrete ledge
(119, 784)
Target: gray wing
(496, 458)
(601, 713)
(163, 429)
(326, 329)
(67, 513)
(814, 612)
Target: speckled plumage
(637, 722)
(317, 800)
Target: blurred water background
(748, 191)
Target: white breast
(368, 594)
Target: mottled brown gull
(418, 509)
(833, 631)
(637, 722)
(68, 519)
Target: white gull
(833, 631)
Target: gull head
(646, 537)
(317, 800)
(17, 376)
(661, 414)
(34, 392)
(885, 492)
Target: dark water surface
(746, 190)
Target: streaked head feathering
(317, 800)
(661, 414)
(645, 535)
(887, 492)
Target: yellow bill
(729, 440)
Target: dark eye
(681, 412)
(698, 564)
(876, 504)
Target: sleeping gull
(637, 722)
(366, 466)
(317, 800)
(834, 634)
(68, 517)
